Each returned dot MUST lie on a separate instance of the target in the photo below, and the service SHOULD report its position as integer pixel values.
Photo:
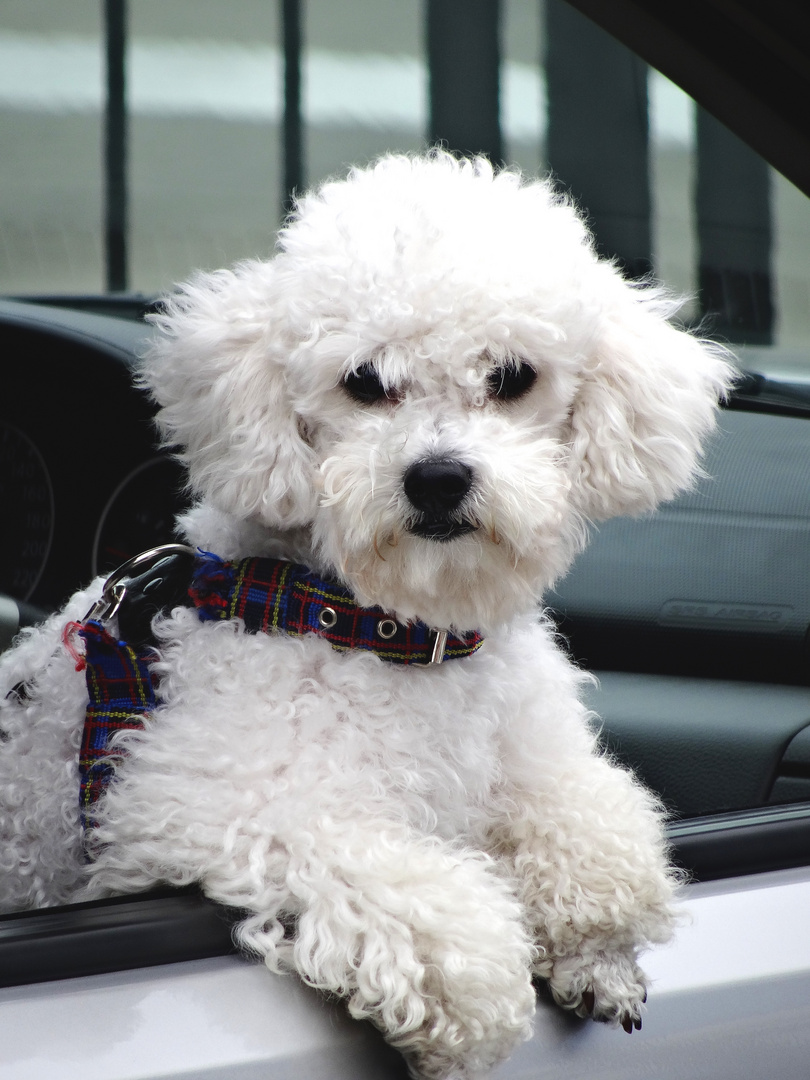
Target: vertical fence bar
(598, 133)
(734, 235)
(463, 48)
(292, 140)
(115, 147)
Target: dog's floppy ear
(645, 406)
(218, 372)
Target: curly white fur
(419, 840)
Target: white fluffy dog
(425, 396)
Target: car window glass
(665, 186)
(663, 182)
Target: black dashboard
(83, 485)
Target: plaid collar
(273, 595)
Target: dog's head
(439, 382)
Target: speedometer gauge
(26, 505)
(140, 513)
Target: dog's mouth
(440, 528)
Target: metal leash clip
(115, 588)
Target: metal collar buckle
(439, 645)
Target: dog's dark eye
(365, 385)
(511, 381)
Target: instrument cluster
(83, 485)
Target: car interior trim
(174, 925)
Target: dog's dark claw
(589, 1001)
(637, 1023)
(627, 1024)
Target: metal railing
(597, 145)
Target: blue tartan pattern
(121, 691)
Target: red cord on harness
(68, 640)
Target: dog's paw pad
(607, 988)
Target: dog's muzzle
(436, 488)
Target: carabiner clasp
(115, 589)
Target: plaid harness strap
(121, 692)
(268, 595)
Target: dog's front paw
(475, 1009)
(609, 987)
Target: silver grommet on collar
(327, 617)
(386, 628)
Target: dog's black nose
(437, 486)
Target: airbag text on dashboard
(756, 617)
